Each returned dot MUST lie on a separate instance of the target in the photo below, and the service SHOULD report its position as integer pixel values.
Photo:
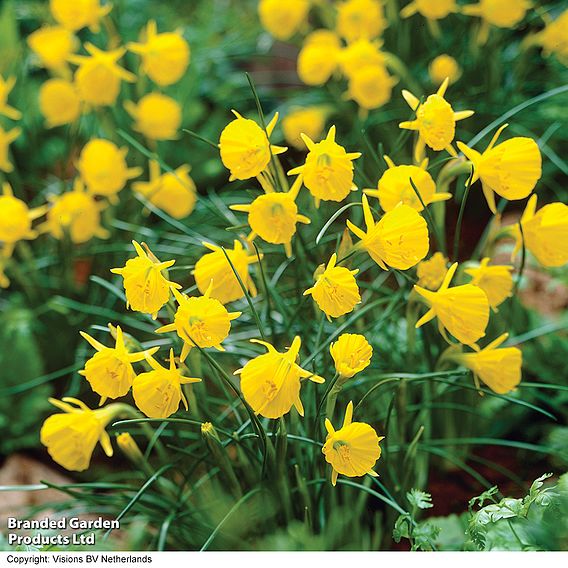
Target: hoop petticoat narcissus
(545, 233)
(431, 272)
(6, 138)
(157, 116)
(201, 321)
(245, 147)
(394, 187)
(157, 393)
(335, 291)
(399, 240)
(499, 369)
(360, 55)
(495, 280)
(213, 269)
(98, 77)
(6, 85)
(370, 87)
(173, 192)
(328, 169)
(307, 120)
(271, 382)
(553, 38)
(165, 56)
(71, 437)
(109, 371)
(353, 450)
(52, 46)
(358, 19)
(319, 57)
(510, 169)
(77, 14)
(283, 19)
(146, 288)
(59, 102)
(462, 310)
(430, 9)
(444, 66)
(103, 168)
(435, 121)
(274, 215)
(351, 354)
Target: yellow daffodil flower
(98, 76)
(308, 120)
(370, 87)
(360, 55)
(358, 19)
(71, 437)
(351, 354)
(319, 57)
(109, 371)
(510, 169)
(271, 382)
(545, 233)
(499, 369)
(245, 148)
(431, 272)
(554, 38)
(165, 56)
(146, 288)
(495, 280)
(157, 116)
(157, 393)
(399, 240)
(462, 310)
(201, 321)
(173, 192)
(442, 67)
(59, 102)
(52, 46)
(335, 291)
(6, 138)
(283, 19)
(5, 87)
(273, 216)
(435, 121)
(77, 14)
(394, 187)
(103, 168)
(213, 269)
(328, 170)
(353, 450)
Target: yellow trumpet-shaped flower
(435, 121)
(495, 280)
(431, 272)
(6, 138)
(307, 120)
(5, 87)
(59, 102)
(430, 9)
(499, 369)
(499, 13)
(173, 192)
(146, 288)
(394, 187)
(274, 216)
(77, 14)
(554, 38)
(510, 169)
(358, 19)
(353, 450)
(53, 45)
(328, 170)
(283, 19)
(399, 240)
(360, 55)
(462, 310)
(351, 354)
(98, 76)
(201, 321)
(271, 382)
(71, 437)
(103, 168)
(15, 220)
(442, 67)
(245, 148)
(157, 116)
(335, 291)
(213, 269)
(157, 393)
(109, 371)
(75, 213)
(319, 57)
(371, 87)
(165, 56)
(545, 233)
